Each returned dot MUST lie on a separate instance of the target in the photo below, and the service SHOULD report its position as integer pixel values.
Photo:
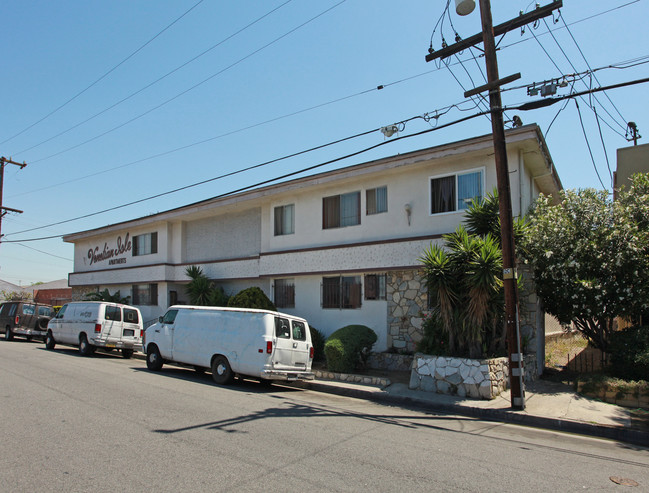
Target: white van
(93, 324)
(232, 341)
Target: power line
(240, 60)
(103, 76)
(588, 145)
(524, 107)
(265, 182)
(155, 81)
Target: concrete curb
(618, 433)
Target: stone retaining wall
(479, 379)
(390, 361)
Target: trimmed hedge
(348, 348)
(251, 298)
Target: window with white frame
(285, 220)
(376, 200)
(284, 293)
(341, 292)
(145, 244)
(339, 211)
(455, 192)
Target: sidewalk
(548, 405)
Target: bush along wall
(348, 348)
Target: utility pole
(502, 174)
(3, 210)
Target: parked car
(25, 318)
(232, 341)
(96, 324)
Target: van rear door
(283, 353)
(291, 345)
(300, 345)
(112, 325)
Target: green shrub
(318, 341)
(251, 298)
(435, 338)
(629, 350)
(348, 348)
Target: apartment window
(455, 192)
(343, 210)
(285, 220)
(375, 286)
(145, 294)
(341, 292)
(284, 293)
(145, 244)
(376, 200)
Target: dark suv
(24, 318)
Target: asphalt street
(103, 423)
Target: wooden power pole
(3, 210)
(502, 173)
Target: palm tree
(199, 288)
(465, 286)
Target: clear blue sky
(95, 137)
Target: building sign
(123, 246)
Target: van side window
(130, 316)
(299, 331)
(282, 329)
(29, 309)
(170, 317)
(7, 310)
(113, 313)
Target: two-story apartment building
(338, 248)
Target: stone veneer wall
(407, 298)
(480, 379)
(390, 361)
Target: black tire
(9, 335)
(127, 353)
(221, 371)
(154, 360)
(85, 348)
(49, 341)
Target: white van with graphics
(93, 324)
(232, 341)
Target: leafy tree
(590, 257)
(106, 296)
(16, 295)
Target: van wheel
(127, 353)
(9, 335)
(154, 361)
(221, 371)
(85, 349)
(49, 341)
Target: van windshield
(170, 317)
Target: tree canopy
(590, 257)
